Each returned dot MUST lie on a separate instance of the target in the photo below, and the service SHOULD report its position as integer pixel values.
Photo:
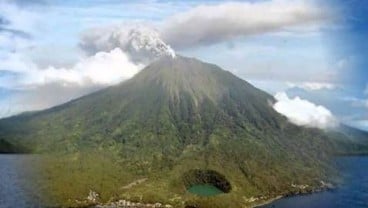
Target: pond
(204, 190)
(203, 182)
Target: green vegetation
(8, 147)
(137, 140)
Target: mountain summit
(180, 122)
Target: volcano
(182, 122)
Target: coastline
(259, 204)
(268, 201)
(324, 187)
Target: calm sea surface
(352, 194)
(12, 182)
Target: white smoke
(141, 43)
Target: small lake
(12, 179)
(205, 190)
(352, 194)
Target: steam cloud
(141, 43)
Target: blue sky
(317, 55)
(351, 42)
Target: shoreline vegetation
(268, 201)
(114, 200)
(7, 147)
(324, 187)
(93, 199)
(86, 179)
(131, 204)
(122, 203)
(100, 195)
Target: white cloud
(210, 24)
(274, 86)
(304, 113)
(42, 96)
(19, 19)
(103, 68)
(311, 86)
(39, 88)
